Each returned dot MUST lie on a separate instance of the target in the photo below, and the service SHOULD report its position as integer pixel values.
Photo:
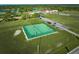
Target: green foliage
(35, 15)
(9, 16)
(25, 16)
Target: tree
(25, 16)
(9, 16)
(35, 15)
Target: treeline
(42, 7)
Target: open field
(71, 22)
(55, 42)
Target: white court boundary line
(24, 33)
(35, 37)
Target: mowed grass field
(56, 43)
(71, 22)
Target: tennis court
(37, 30)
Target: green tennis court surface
(37, 30)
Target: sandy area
(17, 32)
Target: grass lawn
(71, 22)
(18, 44)
(7, 29)
(49, 42)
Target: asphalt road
(59, 25)
(74, 51)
